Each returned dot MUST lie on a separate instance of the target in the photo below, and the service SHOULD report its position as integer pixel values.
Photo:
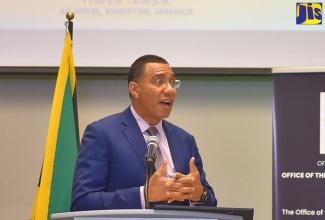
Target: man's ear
(133, 89)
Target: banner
(298, 146)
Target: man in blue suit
(110, 169)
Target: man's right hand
(162, 188)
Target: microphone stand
(150, 159)
(146, 187)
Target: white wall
(231, 120)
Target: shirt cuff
(142, 197)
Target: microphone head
(153, 139)
(150, 156)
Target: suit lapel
(174, 147)
(133, 134)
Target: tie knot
(152, 131)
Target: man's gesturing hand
(189, 186)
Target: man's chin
(166, 115)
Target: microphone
(150, 157)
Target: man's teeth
(166, 102)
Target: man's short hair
(138, 66)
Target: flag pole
(69, 24)
(70, 16)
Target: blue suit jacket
(110, 166)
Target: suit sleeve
(91, 184)
(210, 199)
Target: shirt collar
(144, 125)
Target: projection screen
(188, 33)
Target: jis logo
(310, 13)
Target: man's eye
(158, 82)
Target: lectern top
(133, 214)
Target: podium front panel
(135, 214)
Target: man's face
(155, 95)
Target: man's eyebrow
(164, 74)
